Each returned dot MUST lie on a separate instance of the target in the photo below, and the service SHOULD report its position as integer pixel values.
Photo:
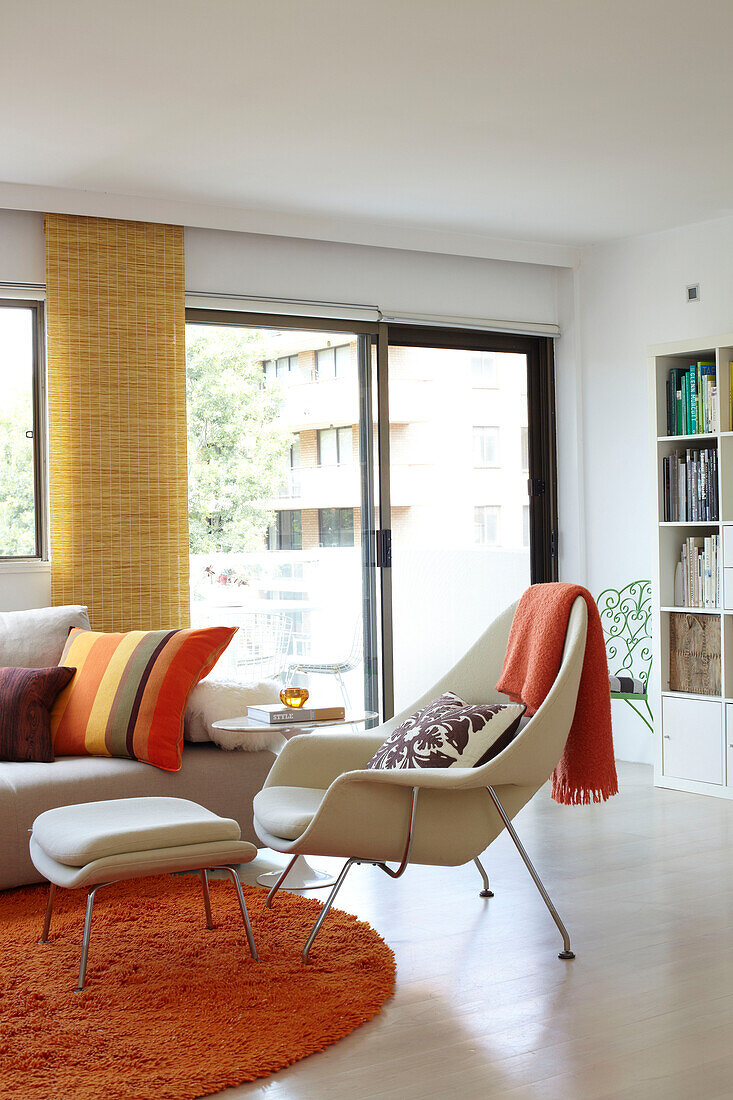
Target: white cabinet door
(692, 739)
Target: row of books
(692, 400)
(698, 573)
(691, 486)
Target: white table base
(301, 877)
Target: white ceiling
(559, 121)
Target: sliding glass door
(363, 501)
(278, 466)
(468, 492)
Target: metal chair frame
(203, 873)
(333, 668)
(486, 892)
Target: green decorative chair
(626, 621)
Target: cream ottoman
(97, 843)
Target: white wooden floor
(484, 1008)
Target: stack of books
(692, 400)
(701, 570)
(691, 486)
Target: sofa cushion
(27, 696)
(287, 812)
(128, 697)
(75, 835)
(627, 685)
(36, 638)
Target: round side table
(301, 876)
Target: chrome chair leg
(376, 863)
(344, 690)
(278, 884)
(207, 900)
(49, 911)
(327, 905)
(566, 953)
(487, 892)
(87, 934)
(245, 915)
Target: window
(484, 373)
(295, 466)
(525, 449)
(21, 431)
(525, 525)
(325, 363)
(335, 446)
(486, 525)
(286, 533)
(333, 362)
(336, 526)
(343, 361)
(485, 446)
(284, 369)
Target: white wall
(632, 294)
(392, 279)
(22, 253)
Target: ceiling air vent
(693, 293)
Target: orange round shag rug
(171, 1011)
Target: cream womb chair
(319, 800)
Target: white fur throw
(212, 700)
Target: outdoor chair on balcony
(319, 799)
(262, 644)
(626, 620)
(338, 667)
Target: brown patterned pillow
(27, 696)
(450, 733)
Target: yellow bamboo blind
(117, 407)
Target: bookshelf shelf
(696, 610)
(711, 437)
(693, 731)
(691, 695)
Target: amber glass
(293, 696)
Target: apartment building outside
(459, 507)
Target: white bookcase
(693, 733)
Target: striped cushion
(628, 685)
(129, 694)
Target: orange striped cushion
(129, 694)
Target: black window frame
(40, 478)
(542, 479)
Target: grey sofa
(224, 782)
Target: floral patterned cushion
(450, 733)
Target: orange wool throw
(587, 770)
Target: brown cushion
(450, 733)
(27, 696)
